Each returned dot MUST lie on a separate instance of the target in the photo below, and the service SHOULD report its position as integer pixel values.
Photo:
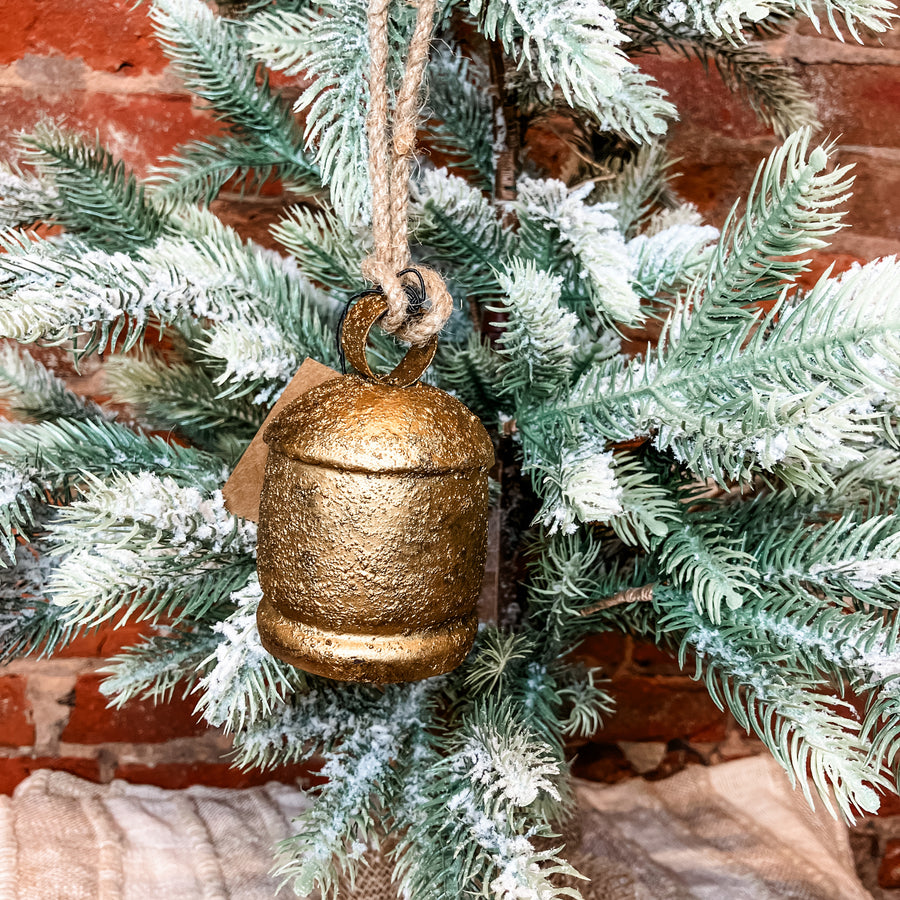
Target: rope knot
(389, 165)
(418, 307)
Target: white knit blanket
(732, 832)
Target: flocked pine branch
(460, 102)
(470, 370)
(242, 683)
(329, 44)
(99, 198)
(60, 290)
(211, 55)
(575, 46)
(650, 508)
(732, 19)
(159, 667)
(325, 247)
(538, 342)
(20, 497)
(29, 624)
(710, 564)
(460, 228)
(362, 772)
(809, 413)
(142, 546)
(34, 393)
(563, 233)
(671, 253)
(25, 198)
(55, 291)
(633, 188)
(58, 452)
(576, 482)
(792, 206)
(808, 730)
(771, 88)
(162, 391)
(198, 171)
(51, 462)
(494, 770)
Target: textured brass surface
(365, 426)
(355, 333)
(373, 531)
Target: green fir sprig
(728, 491)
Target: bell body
(373, 531)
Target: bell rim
(361, 658)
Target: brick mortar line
(98, 83)
(212, 747)
(873, 151)
(54, 667)
(809, 50)
(724, 145)
(863, 245)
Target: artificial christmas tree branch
(783, 587)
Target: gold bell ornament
(373, 521)
(374, 508)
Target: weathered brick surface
(609, 650)
(648, 659)
(139, 721)
(110, 35)
(177, 775)
(139, 128)
(16, 769)
(601, 762)
(889, 870)
(106, 641)
(656, 708)
(876, 40)
(655, 700)
(873, 207)
(720, 172)
(890, 805)
(858, 105)
(253, 218)
(704, 103)
(16, 725)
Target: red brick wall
(856, 89)
(94, 63)
(52, 715)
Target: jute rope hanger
(389, 168)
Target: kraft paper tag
(244, 486)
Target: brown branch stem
(629, 595)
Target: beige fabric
(732, 832)
(62, 838)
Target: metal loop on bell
(355, 334)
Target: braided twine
(389, 168)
